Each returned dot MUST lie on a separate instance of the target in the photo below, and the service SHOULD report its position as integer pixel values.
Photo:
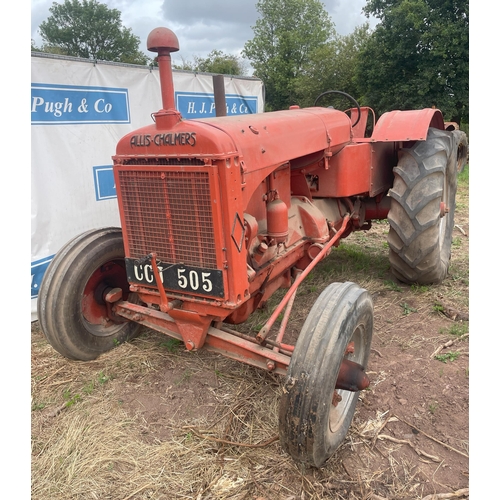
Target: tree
(216, 62)
(91, 30)
(286, 34)
(417, 57)
(333, 66)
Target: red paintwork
(352, 376)
(262, 197)
(108, 277)
(407, 125)
(164, 41)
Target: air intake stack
(164, 41)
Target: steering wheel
(350, 97)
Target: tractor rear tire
(71, 309)
(311, 425)
(462, 145)
(422, 212)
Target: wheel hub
(104, 287)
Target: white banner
(79, 111)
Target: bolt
(350, 348)
(443, 209)
(337, 398)
(271, 365)
(189, 345)
(262, 248)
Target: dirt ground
(150, 420)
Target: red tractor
(219, 213)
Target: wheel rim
(462, 157)
(95, 310)
(443, 222)
(444, 212)
(339, 411)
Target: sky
(201, 25)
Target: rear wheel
(422, 210)
(314, 416)
(462, 145)
(72, 312)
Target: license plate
(176, 277)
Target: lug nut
(271, 365)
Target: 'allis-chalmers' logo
(179, 139)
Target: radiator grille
(169, 213)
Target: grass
(172, 345)
(71, 399)
(449, 356)
(393, 286)
(463, 178)
(438, 308)
(123, 431)
(407, 309)
(352, 259)
(102, 378)
(433, 407)
(457, 329)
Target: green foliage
(449, 356)
(463, 176)
(391, 285)
(102, 378)
(348, 259)
(71, 399)
(90, 30)
(332, 66)
(286, 35)
(35, 406)
(89, 387)
(417, 57)
(438, 308)
(216, 62)
(172, 345)
(407, 309)
(457, 329)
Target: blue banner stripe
(104, 182)
(38, 269)
(72, 104)
(202, 105)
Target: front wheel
(72, 312)
(314, 415)
(422, 212)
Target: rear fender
(396, 126)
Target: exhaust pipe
(219, 95)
